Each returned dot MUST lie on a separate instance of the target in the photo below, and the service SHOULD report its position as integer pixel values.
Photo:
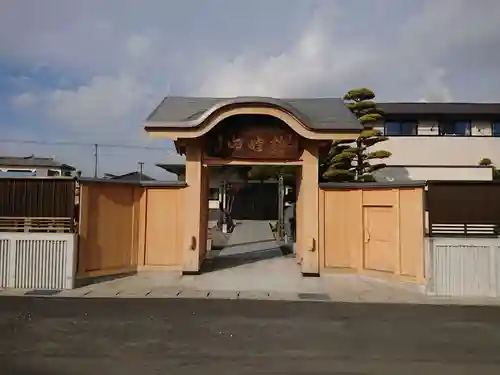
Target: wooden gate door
(379, 238)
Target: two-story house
(32, 166)
(440, 141)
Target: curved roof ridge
(315, 114)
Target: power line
(70, 143)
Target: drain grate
(315, 296)
(42, 292)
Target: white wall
(434, 173)
(429, 149)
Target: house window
(495, 129)
(17, 173)
(401, 128)
(455, 128)
(213, 194)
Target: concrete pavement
(58, 336)
(250, 283)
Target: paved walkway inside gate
(251, 261)
(247, 233)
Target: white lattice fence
(4, 262)
(463, 266)
(38, 260)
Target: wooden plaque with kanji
(272, 141)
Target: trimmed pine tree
(351, 159)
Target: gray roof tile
(316, 114)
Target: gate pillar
(194, 231)
(308, 211)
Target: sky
(76, 73)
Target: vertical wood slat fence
(463, 208)
(38, 204)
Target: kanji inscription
(254, 142)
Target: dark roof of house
(132, 176)
(425, 108)
(32, 162)
(173, 168)
(318, 114)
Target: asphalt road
(164, 336)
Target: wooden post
(299, 218)
(191, 253)
(205, 177)
(309, 210)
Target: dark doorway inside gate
(257, 201)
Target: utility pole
(96, 159)
(141, 167)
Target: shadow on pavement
(247, 243)
(235, 260)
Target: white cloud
(129, 60)
(435, 88)
(303, 68)
(322, 59)
(403, 67)
(138, 46)
(24, 101)
(105, 101)
(310, 65)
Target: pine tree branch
(380, 154)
